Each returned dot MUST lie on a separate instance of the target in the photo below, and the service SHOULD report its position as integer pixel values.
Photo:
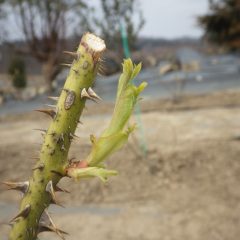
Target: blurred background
(182, 162)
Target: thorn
(61, 137)
(56, 203)
(66, 65)
(50, 113)
(71, 135)
(85, 65)
(101, 65)
(93, 94)
(73, 54)
(52, 134)
(51, 152)
(71, 160)
(58, 173)
(66, 90)
(40, 167)
(50, 105)
(49, 189)
(59, 189)
(41, 130)
(20, 186)
(93, 139)
(63, 148)
(101, 69)
(53, 98)
(57, 139)
(85, 94)
(24, 213)
(7, 223)
(76, 71)
(46, 224)
(99, 74)
(56, 112)
(101, 60)
(45, 228)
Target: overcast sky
(172, 18)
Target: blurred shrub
(17, 71)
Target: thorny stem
(50, 167)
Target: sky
(172, 18)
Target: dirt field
(187, 187)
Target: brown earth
(187, 187)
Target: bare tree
(114, 13)
(45, 25)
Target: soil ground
(187, 187)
